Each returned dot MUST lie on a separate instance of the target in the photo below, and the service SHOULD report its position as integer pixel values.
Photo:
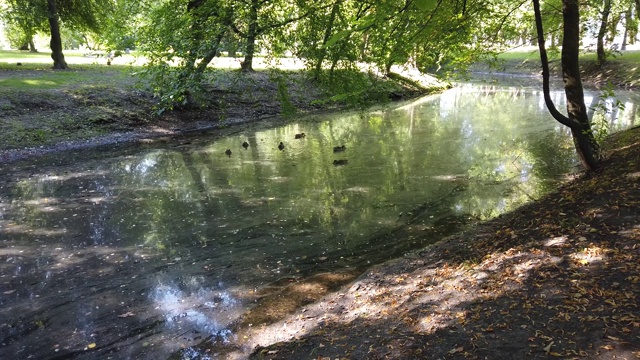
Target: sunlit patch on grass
(39, 82)
(29, 83)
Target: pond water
(139, 251)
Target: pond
(143, 250)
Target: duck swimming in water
(339, 148)
(300, 136)
(281, 146)
(228, 152)
(245, 144)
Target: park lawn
(622, 69)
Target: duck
(339, 148)
(340, 162)
(228, 152)
(281, 146)
(300, 136)
(245, 144)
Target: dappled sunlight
(12, 228)
(437, 297)
(430, 297)
(38, 82)
(590, 254)
(187, 242)
(634, 175)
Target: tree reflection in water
(146, 249)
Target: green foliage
(179, 41)
(31, 15)
(24, 19)
(605, 105)
(354, 88)
(286, 105)
(171, 86)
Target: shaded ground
(557, 278)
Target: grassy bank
(622, 69)
(42, 107)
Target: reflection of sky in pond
(196, 308)
(180, 234)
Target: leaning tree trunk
(606, 10)
(56, 39)
(577, 119)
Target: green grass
(35, 72)
(87, 100)
(630, 56)
(621, 67)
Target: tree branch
(545, 71)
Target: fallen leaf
(91, 346)
(127, 314)
(547, 348)
(456, 350)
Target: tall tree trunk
(633, 30)
(32, 46)
(252, 34)
(627, 24)
(327, 35)
(577, 119)
(56, 39)
(606, 10)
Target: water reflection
(143, 250)
(197, 308)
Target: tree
(602, 31)
(74, 14)
(56, 40)
(24, 20)
(577, 119)
(256, 19)
(180, 38)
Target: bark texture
(56, 40)
(577, 117)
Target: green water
(177, 235)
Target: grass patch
(621, 68)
